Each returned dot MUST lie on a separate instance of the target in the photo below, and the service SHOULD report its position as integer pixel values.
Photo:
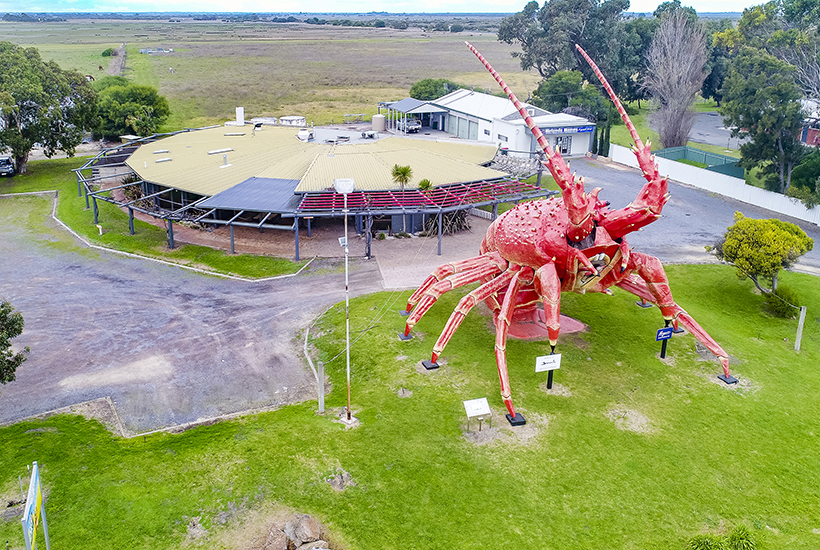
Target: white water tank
(378, 123)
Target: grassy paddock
(149, 240)
(708, 457)
(320, 72)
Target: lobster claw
(624, 255)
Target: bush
(780, 302)
(706, 542)
(741, 539)
(108, 53)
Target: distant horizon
(317, 7)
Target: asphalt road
(692, 219)
(709, 129)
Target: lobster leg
(549, 287)
(502, 325)
(467, 303)
(652, 285)
(487, 267)
(444, 271)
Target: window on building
(563, 144)
(502, 138)
(486, 132)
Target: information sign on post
(35, 508)
(477, 408)
(664, 333)
(548, 363)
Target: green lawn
(710, 457)
(148, 240)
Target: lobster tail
(578, 204)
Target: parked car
(305, 134)
(6, 166)
(413, 126)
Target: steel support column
(171, 234)
(439, 233)
(368, 238)
(131, 220)
(96, 211)
(232, 246)
(296, 237)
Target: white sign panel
(477, 407)
(548, 362)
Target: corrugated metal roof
(477, 104)
(373, 170)
(275, 153)
(256, 195)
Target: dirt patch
(350, 423)
(557, 389)
(341, 480)
(744, 385)
(266, 527)
(195, 530)
(630, 420)
(422, 370)
(404, 392)
(499, 431)
(101, 410)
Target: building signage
(569, 130)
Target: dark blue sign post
(663, 335)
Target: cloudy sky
(324, 6)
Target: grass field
(321, 73)
(633, 453)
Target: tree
(565, 89)
(674, 75)
(402, 175)
(547, 37)
(41, 103)
(11, 326)
(786, 29)
(760, 100)
(717, 62)
(759, 249)
(674, 6)
(641, 31)
(127, 108)
(433, 88)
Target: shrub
(741, 539)
(779, 302)
(706, 542)
(108, 53)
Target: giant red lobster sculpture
(539, 249)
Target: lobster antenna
(578, 205)
(536, 131)
(618, 105)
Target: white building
(484, 117)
